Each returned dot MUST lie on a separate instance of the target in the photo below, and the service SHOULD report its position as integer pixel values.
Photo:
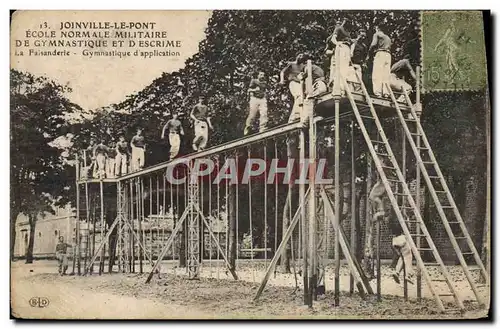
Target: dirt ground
(214, 296)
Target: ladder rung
(460, 237)
(446, 295)
(416, 134)
(367, 117)
(424, 249)
(419, 235)
(481, 285)
(468, 253)
(439, 280)
(380, 142)
(382, 154)
(387, 167)
(431, 264)
(432, 177)
(440, 191)
(454, 222)
(447, 207)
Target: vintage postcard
(236, 164)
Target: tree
(39, 174)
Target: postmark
(453, 51)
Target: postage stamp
(453, 50)
(248, 164)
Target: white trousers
(120, 164)
(399, 242)
(381, 73)
(175, 142)
(257, 106)
(296, 91)
(137, 161)
(200, 135)
(110, 168)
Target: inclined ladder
(441, 195)
(391, 176)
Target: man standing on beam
(342, 41)
(381, 73)
(258, 103)
(174, 129)
(291, 72)
(201, 119)
(138, 146)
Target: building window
(39, 234)
(56, 233)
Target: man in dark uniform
(61, 255)
(201, 119)
(174, 129)
(258, 103)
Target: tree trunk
(285, 256)
(231, 222)
(13, 219)
(31, 243)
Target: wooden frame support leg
(281, 247)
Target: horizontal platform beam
(97, 180)
(360, 98)
(226, 147)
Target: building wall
(47, 231)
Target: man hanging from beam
(201, 119)
(382, 210)
(290, 73)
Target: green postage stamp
(453, 50)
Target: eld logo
(39, 302)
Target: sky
(101, 81)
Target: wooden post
(417, 189)
(353, 204)
(101, 262)
(309, 108)
(368, 216)
(77, 215)
(337, 200)
(303, 228)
